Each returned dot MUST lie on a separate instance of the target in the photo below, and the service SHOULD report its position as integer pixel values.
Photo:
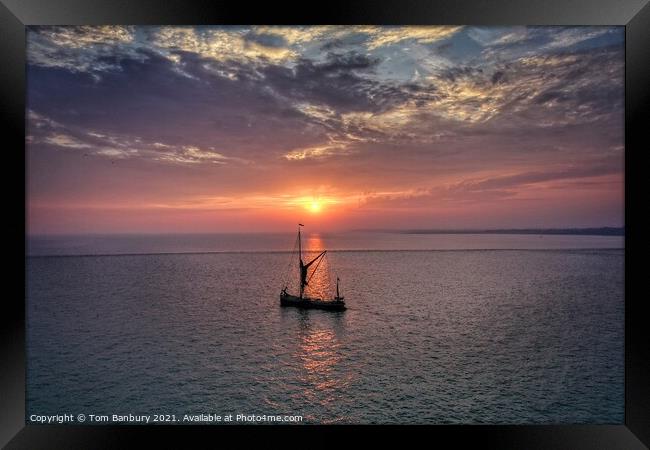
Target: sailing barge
(301, 300)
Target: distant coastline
(601, 231)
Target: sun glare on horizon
(315, 206)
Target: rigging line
(329, 275)
(292, 257)
(314, 260)
(287, 271)
(316, 268)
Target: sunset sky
(200, 129)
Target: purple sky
(198, 129)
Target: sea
(440, 328)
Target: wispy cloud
(95, 143)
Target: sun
(315, 206)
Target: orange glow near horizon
(331, 208)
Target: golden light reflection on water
(322, 362)
(318, 355)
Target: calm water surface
(206, 243)
(527, 335)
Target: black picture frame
(15, 15)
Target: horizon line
(593, 231)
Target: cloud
(605, 166)
(80, 48)
(96, 49)
(192, 155)
(301, 35)
(319, 151)
(222, 44)
(359, 76)
(383, 36)
(567, 37)
(339, 83)
(517, 186)
(81, 37)
(62, 140)
(343, 95)
(121, 146)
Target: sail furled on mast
(303, 276)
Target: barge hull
(311, 303)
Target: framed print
(384, 217)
